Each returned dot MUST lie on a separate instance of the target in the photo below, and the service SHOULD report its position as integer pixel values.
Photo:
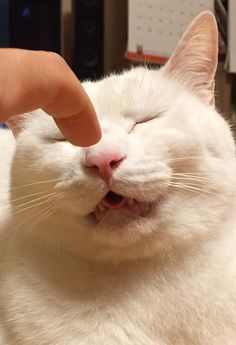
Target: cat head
(159, 180)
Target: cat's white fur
(7, 146)
(167, 279)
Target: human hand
(36, 79)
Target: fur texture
(164, 278)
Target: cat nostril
(115, 163)
(105, 164)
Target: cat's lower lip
(113, 202)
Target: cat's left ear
(194, 61)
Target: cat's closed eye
(144, 120)
(55, 139)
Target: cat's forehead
(133, 93)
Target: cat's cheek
(80, 195)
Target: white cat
(132, 240)
(7, 145)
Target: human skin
(37, 79)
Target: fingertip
(80, 129)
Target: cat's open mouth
(115, 202)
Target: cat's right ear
(15, 123)
(194, 61)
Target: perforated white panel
(155, 26)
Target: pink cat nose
(105, 163)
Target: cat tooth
(100, 212)
(130, 202)
(101, 207)
(97, 214)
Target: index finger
(36, 79)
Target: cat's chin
(120, 221)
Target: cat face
(165, 161)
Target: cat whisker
(182, 158)
(31, 217)
(27, 218)
(33, 200)
(188, 174)
(25, 235)
(189, 178)
(34, 183)
(186, 188)
(23, 197)
(40, 218)
(193, 173)
(50, 198)
(201, 176)
(194, 189)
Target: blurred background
(97, 37)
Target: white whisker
(34, 200)
(192, 179)
(24, 197)
(35, 183)
(172, 160)
(50, 198)
(199, 191)
(195, 174)
(29, 218)
(36, 221)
